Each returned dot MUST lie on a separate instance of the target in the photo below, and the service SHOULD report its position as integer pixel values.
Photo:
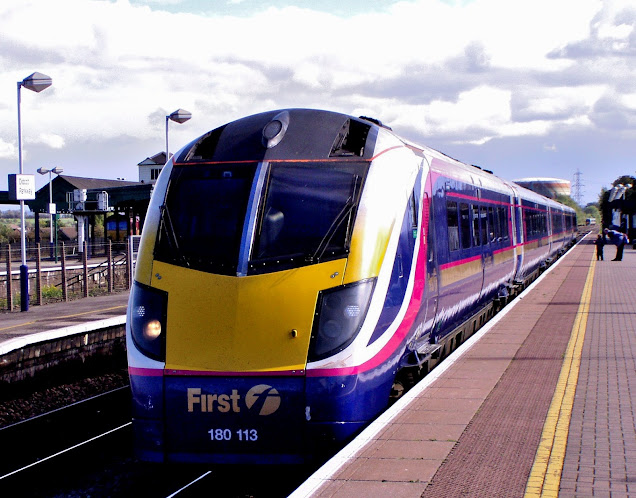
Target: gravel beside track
(29, 399)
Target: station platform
(540, 402)
(42, 322)
(57, 334)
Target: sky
(525, 88)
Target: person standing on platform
(599, 243)
(619, 239)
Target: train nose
(259, 323)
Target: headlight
(147, 319)
(340, 313)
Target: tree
(10, 213)
(625, 180)
(591, 211)
(568, 201)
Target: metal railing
(74, 275)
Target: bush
(51, 292)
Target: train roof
(468, 173)
(283, 134)
(542, 180)
(332, 134)
(532, 196)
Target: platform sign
(21, 187)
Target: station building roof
(121, 193)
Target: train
(299, 269)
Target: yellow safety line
(93, 311)
(545, 476)
(18, 325)
(60, 317)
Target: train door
(516, 228)
(479, 244)
(550, 227)
(486, 225)
(431, 287)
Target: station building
(122, 204)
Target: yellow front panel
(231, 324)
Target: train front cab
(229, 381)
(271, 341)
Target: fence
(66, 276)
(48, 251)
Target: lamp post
(35, 82)
(52, 211)
(178, 116)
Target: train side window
(464, 224)
(534, 223)
(476, 232)
(483, 223)
(499, 223)
(503, 222)
(528, 222)
(544, 223)
(493, 226)
(453, 225)
(413, 205)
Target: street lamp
(178, 116)
(35, 82)
(52, 211)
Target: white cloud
(554, 103)
(620, 32)
(462, 72)
(51, 140)
(8, 150)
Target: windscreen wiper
(168, 228)
(345, 213)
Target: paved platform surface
(541, 404)
(59, 315)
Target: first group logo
(262, 399)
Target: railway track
(85, 449)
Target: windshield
(308, 213)
(203, 215)
(305, 215)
